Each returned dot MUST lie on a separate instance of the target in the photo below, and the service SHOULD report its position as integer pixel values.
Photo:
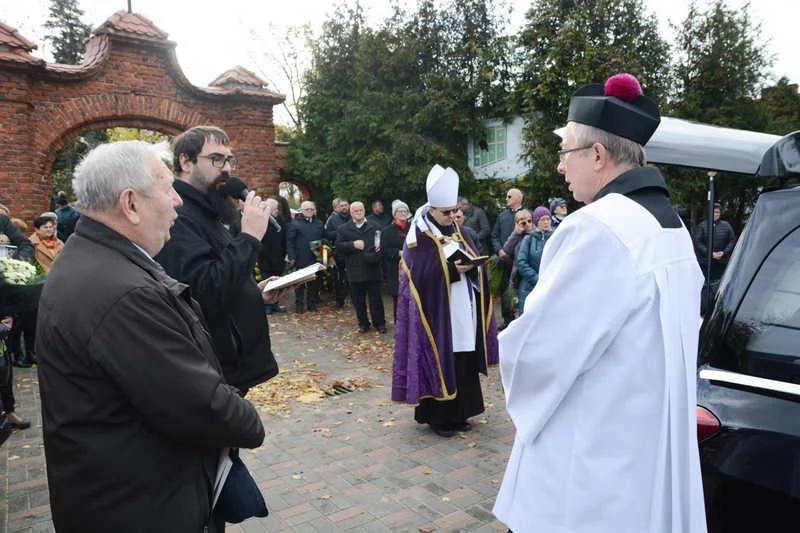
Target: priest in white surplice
(599, 371)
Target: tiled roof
(10, 37)
(15, 48)
(238, 76)
(97, 47)
(131, 25)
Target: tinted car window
(764, 338)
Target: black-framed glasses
(448, 212)
(562, 154)
(219, 160)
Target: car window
(764, 338)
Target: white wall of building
(511, 165)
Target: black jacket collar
(633, 180)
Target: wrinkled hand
(358, 245)
(8, 321)
(463, 268)
(717, 255)
(271, 297)
(255, 216)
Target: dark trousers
(341, 287)
(359, 292)
(506, 310)
(7, 382)
(307, 295)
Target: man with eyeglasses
(216, 265)
(503, 228)
(599, 371)
(445, 331)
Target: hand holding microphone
(256, 214)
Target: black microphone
(236, 188)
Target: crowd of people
(597, 346)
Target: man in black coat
(475, 218)
(340, 215)
(272, 258)
(135, 408)
(303, 230)
(217, 266)
(503, 228)
(722, 244)
(355, 242)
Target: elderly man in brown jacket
(134, 405)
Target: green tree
(66, 32)
(782, 103)
(382, 105)
(134, 134)
(721, 67)
(567, 44)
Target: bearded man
(218, 266)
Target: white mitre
(442, 187)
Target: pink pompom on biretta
(623, 86)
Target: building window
(492, 148)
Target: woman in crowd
(392, 238)
(530, 253)
(45, 242)
(522, 226)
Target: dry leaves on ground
(376, 354)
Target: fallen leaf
(427, 472)
(445, 499)
(472, 444)
(324, 497)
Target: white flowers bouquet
(18, 272)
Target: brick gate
(130, 77)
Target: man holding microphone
(217, 266)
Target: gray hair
(622, 150)
(111, 168)
(337, 201)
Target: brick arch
(130, 77)
(105, 111)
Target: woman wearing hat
(392, 240)
(530, 253)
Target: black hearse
(748, 385)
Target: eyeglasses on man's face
(562, 154)
(219, 160)
(524, 221)
(447, 212)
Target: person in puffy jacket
(530, 254)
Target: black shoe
(363, 329)
(446, 433)
(339, 304)
(463, 426)
(382, 329)
(299, 311)
(15, 421)
(312, 308)
(278, 309)
(22, 363)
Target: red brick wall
(136, 84)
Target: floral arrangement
(18, 272)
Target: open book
(294, 278)
(453, 253)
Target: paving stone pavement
(355, 462)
